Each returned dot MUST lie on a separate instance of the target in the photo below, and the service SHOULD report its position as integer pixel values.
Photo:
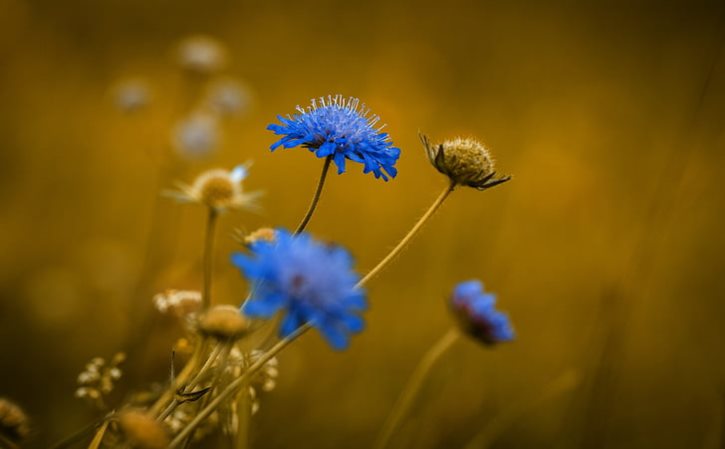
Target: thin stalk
(193, 383)
(256, 366)
(316, 197)
(407, 398)
(209, 257)
(98, 437)
(236, 383)
(414, 230)
(179, 380)
(244, 413)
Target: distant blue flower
(311, 281)
(476, 312)
(343, 129)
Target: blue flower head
(310, 281)
(343, 129)
(477, 315)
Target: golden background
(606, 249)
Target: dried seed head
(14, 424)
(224, 323)
(260, 235)
(180, 303)
(465, 161)
(143, 430)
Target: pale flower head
(202, 54)
(196, 136)
(228, 97)
(131, 95)
(219, 189)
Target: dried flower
(312, 282)
(97, 380)
(14, 423)
(224, 323)
(179, 303)
(202, 54)
(342, 129)
(265, 379)
(196, 136)
(477, 314)
(143, 430)
(219, 189)
(465, 161)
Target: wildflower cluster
(296, 281)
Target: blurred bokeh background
(606, 248)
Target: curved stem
(407, 397)
(232, 387)
(256, 366)
(183, 376)
(209, 257)
(414, 230)
(316, 198)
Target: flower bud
(224, 323)
(465, 162)
(477, 315)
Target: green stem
(316, 197)
(407, 398)
(414, 230)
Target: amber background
(606, 248)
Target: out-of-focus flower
(131, 95)
(219, 189)
(143, 430)
(224, 323)
(477, 314)
(260, 235)
(465, 161)
(202, 54)
(343, 129)
(265, 379)
(196, 136)
(180, 303)
(311, 281)
(228, 97)
(14, 423)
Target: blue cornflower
(343, 129)
(311, 281)
(477, 315)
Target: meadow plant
(297, 281)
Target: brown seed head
(224, 323)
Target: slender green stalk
(180, 380)
(244, 414)
(209, 257)
(407, 398)
(413, 231)
(316, 197)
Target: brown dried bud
(143, 430)
(465, 161)
(14, 424)
(224, 323)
